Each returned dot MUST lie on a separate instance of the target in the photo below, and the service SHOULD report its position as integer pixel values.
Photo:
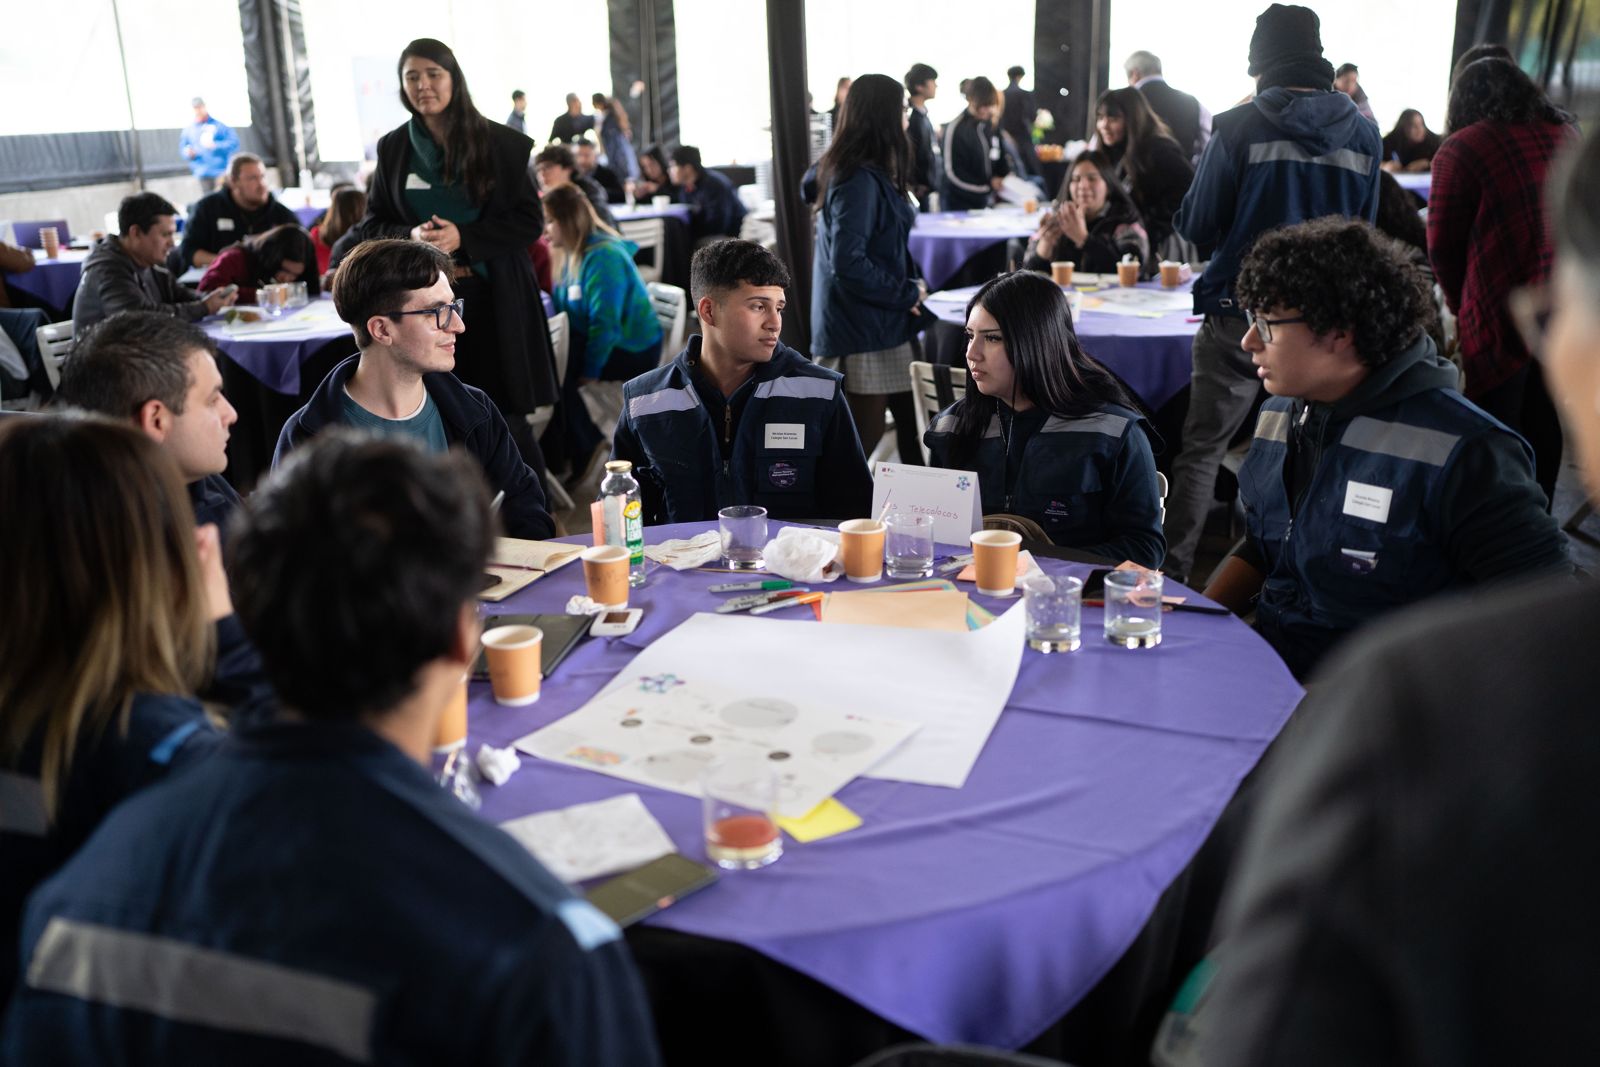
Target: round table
(1151, 352)
(1416, 183)
(942, 242)
(980, 914)
(52, 280)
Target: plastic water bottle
(624, 515)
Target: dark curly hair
(351, 565)
(1497, 90)
(1341, 274)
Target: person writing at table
(397, 298)
(282, 254)
(867, 292)
(1093, 225)
(974, 166)
(308, 894)
(116, 593)
(615, 334)
(455, 180)
(1410, 146)
(1371, 482)
(1052, 434)
(739, 417)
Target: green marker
(751, 587)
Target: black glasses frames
(442, 314)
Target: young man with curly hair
(1371, 482)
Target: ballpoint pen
(741, 587)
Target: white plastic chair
(672, 308)
(649, 235)
(925, 391)
(55, 345)
(560, 345)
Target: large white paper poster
(950, 496)
(830, 701)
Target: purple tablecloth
(942, 242)
(307, 214)
(1416, 183)
(981, 914)
(274, 359)
(52, 280)
(624, 213)
(1153, 355)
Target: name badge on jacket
(414, 181)
(574, 293)
(1367, 501)
(224, 224)
(786, 435)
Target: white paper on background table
(589, 840)
(953, 685)
(1134, 301)
(317, 316)
(716, 687)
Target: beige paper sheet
(932, 609)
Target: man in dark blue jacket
(922, 84)
(738, 417)
(397, 299)
(309, 894)
(1371, 482)
(715, 210)
(1298, 151)
(161, 373)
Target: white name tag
(786, 435)
(1367, 501)
(414, 181)
(224, 224)
(574, 293)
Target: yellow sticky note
(826, 819)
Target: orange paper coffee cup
(514, 667)
(1128, 273)
(605, 572)
(862, 541)
(994, 557)
(1171, 273)
(1061, 272)
(452, 730)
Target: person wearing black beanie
(1298, 150)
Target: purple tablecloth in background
(1416, 183)
(981, 914)
(52, 280)
(275, 359)
(1152, 355)
(308, 214)
(942, 242)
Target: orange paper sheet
(933, 609)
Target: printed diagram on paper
(1118, 301)
(662, 729)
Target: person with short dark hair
(126, 271)
(244, 206)
(206, 145)
(1347, 79)
(1016, 118)
(974, 165)
(1052, 434)
(922, 85)
(1371, 482)
(1487, 236)
(556, 165)
(396, 296)
(161, 374)
(699, 431)
(282, 254)
(1417, 885)
(1185, 116)
(715, 210)
(571, 124)
(586, 157)
(309, 894)
(1298, 150)
(114, 592)
(518, 119)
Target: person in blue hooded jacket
(1052, 434)
(867, 291)
(1299, 150)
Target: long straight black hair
(871, 133)
(1050, 368)
(467, 140)
(1142, 128)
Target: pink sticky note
(597, 516)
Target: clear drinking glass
(1133, 608)
(744, 536)
(1055, 612)
(908, 544)
(740, 799)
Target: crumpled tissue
(498, 764)
(581, 605)
(804, 555)
(682, 555)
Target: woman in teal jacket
(615, 334)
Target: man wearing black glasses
(396, 296)
(1371, 481)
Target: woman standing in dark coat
(1154, 169)
(866, 290)
(454, 179)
